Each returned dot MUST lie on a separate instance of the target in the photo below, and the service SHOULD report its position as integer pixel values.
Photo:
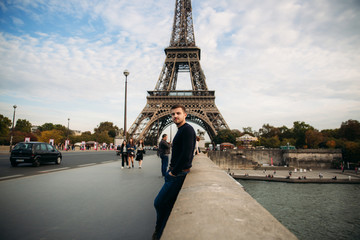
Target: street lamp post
(68, 129)
(67, 138)
(12, 129)
(126, 73)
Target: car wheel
(36, 163)
(14, 164)
(58, 161)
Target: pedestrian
(131, 147)
(140, 152)
(197, 149)
(164, 151)
(124, 154)
(182, 154)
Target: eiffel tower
(181, 56)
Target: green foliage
(5, 125)
(225, 135)
(350, 130)
(248, 130)
(299, 130)
(351, 151)
(57, 135)
(23, 125)
(108, 128)
(46, 127)
(313, 138)
(102, 137)
(272, 142)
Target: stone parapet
(253, 158)
(212, 205)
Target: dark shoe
(154, 236)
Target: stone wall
(212, 205)
(312, 158)
(250, 158)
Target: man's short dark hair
(178, 106)
(164, 135)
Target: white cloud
(277, 61)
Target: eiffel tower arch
(181, 56)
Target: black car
(35, 153)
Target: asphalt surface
(71, 159)
(98, 201)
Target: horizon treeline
(301, 135)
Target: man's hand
(170, 173)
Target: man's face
(178, 116)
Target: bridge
(104, 201)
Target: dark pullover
(183, 148)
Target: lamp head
(126, 72)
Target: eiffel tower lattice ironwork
(181, 56)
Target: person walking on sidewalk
(197, 149)
(140, 152)
(131, 147)
(124, 154)
(164, 151)
(182, 155)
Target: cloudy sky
(272, 61)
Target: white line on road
(108, 161)
(54, 170)
(12, 176)
(87, 165)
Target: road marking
(54, 170)
(108, 161)
(87, 165)
(12, 176)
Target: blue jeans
(166, 198)
(164, 164)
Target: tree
(269, 131)
(20, 137)
(299, 130)
(330, 133)
(103, 137)
(350, 130)
(286, 141)
(5, 124)
(46, 127)
(225, 135)
(23, 125)
(248, 130)
(107, 127)
(57, 135)
(351, 151)
(313, 138)
(272, 142)
(285, 133)
(331, 144)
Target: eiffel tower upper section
(181, 56)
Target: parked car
(35, 153)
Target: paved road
(70, 160)
(101, 201)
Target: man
(164, 150)
(181, 161)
